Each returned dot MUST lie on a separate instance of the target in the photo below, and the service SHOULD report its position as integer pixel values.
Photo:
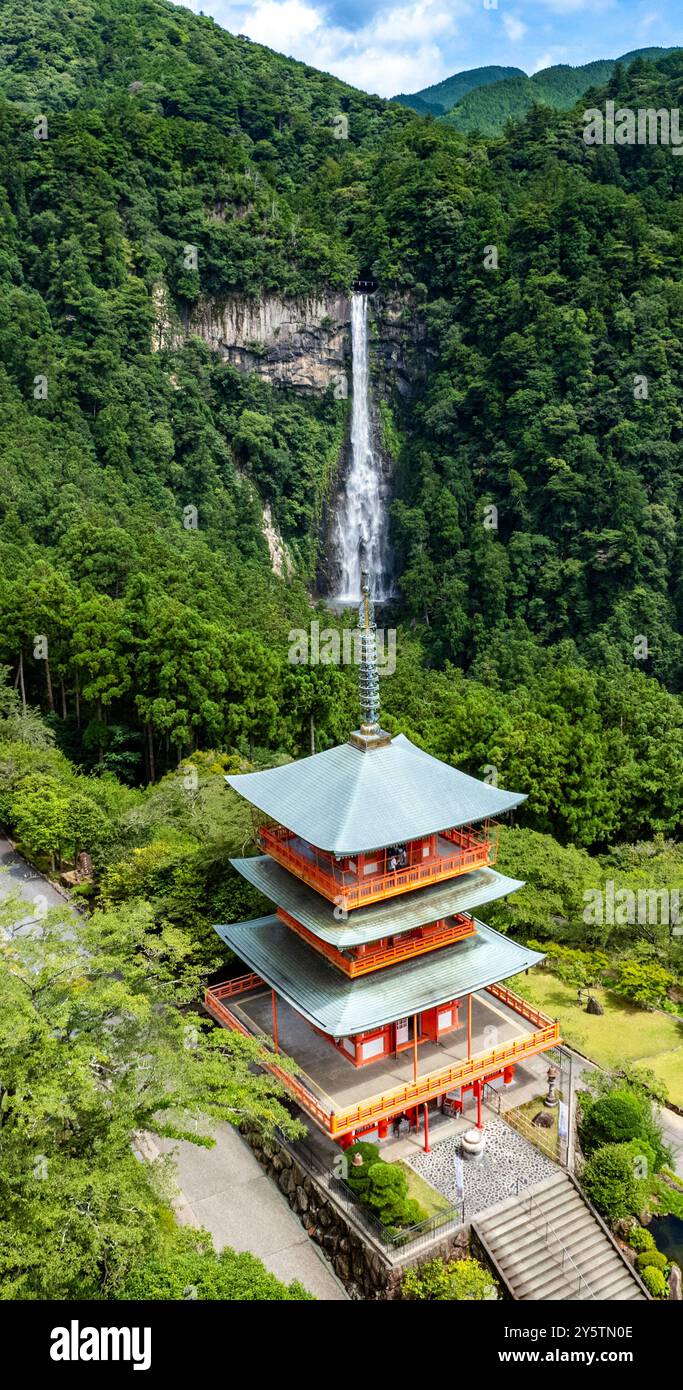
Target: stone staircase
(547, 1244)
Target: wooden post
(274, 1003)
(426, 1113)
(469, 1026)
(415, 1049)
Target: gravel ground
(508, 1158)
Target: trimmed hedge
(640, 1239)
(651, 1259)
(382, 1187)
(655, 1283)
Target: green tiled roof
(403, 913)
(347, 800)
(341, 1006)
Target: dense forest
(443, 96)
(143, 634)
(483, 100)
(546, 646)
(162, 637)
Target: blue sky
(389, 46)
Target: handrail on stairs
(532, 1201)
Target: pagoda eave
(345, 801)
(367, 924)
(341, 1006)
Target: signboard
(563, 1120)
(459, 1175)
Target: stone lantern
(552, 1098)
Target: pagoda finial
(370, 734)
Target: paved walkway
(16, 876)
(226, 1191)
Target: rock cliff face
(299, 342)
(304, 344)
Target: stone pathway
(508, 1158)
(225, 1190)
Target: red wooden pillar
(478, 1088)
(274, 1003)
(469, 1026)
(426, 1114)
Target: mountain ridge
(186, 167)
(441, 96)
(484, 105)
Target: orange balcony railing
(437, 1083)
(519, 1005)
(214, 1002)
(450, 930)
(348, 889)
(394, 1102)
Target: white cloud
(514, 27)
(376, 70)
(395, 51)
(654, 17)
(573, 6)
(281, 25)
(546, 60)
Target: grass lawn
(547, 1139)
(430, 1200)
(622, 1034)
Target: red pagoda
(372, 973)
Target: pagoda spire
(370, 734)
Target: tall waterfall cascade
(360, 529)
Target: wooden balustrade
(454, 929)
(348, 891)
(520, 1005)
(340, 1122)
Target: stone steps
(549, 1246)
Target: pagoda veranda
(372, 973)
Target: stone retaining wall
(364, 1270)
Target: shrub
(387, 1196)
(382, 1187)
(643, 984)
(464, 1280)
(618, 1117)
(640, 1239)
(190, 1262)
(368, 1152)
(358, 1177)
(651, 1259)
(655, 1283)
(610, 1181)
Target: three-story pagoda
(373, 973)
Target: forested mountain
(486, 104)
(163, 132)
(152, 164)
(443, 95)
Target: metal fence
(555, 1146)
(392, 1239)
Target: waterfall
(360, 529)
